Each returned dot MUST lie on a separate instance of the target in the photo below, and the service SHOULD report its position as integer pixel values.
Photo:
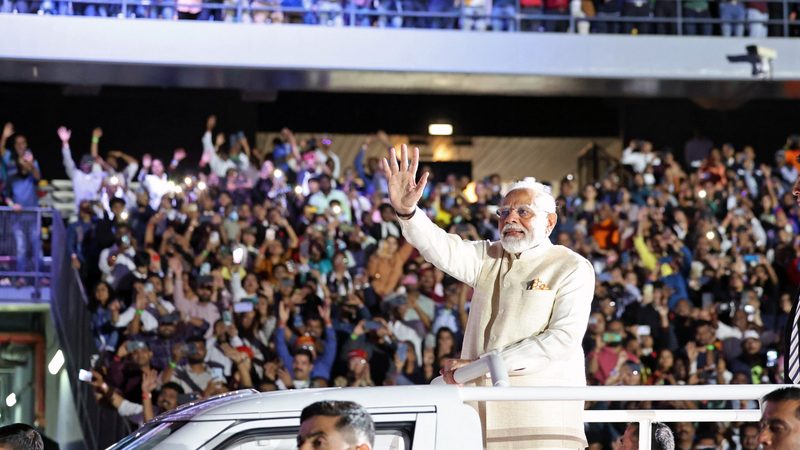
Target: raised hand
(325, 312)
(283, 313)
(8, 130)
(97, 133)
(179, 154)
(149, 380)
(404, 190)
(211, 122)
(147, 160)
(64, 134)
(266, 289)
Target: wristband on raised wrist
(405, 216)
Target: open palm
(404, 190)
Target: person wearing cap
(358, 371)
(753, 359)
(168, 335)
(125, 371)
(203, 313)
(531, 305)
(196, 375)
(320, 363)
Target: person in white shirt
(639, 155)
(88, 177)
(156, 182)
(327, 194)
(221, 162)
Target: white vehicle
(406, 418)
(421, 417)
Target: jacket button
(506, 284)
(501, 311)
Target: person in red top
(531, 7)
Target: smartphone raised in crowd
(372, 325)
(85, 375)
(238, 255)
(243, 307)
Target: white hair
(543, 199)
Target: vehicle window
(387, 437)
(149, 436)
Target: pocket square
(537, 285)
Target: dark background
(139, 120)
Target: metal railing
(69, 309)
(672, 15)
(645, 417)
(22, 258)
(494, 365)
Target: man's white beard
(516, 245)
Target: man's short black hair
(308, 353)
(20, 436)
(354, 421)
(174, 386)
(661, 437)
(784, 394)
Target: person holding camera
(609, 354)
(531, 305)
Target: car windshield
(149, 436)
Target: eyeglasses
(524, 212)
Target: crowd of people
(285, 268)
(759, 18)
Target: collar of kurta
(533, 252)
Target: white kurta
(538, 331)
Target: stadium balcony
(261, 60)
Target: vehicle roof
(289, 402)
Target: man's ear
(364, 447)
(551, 222)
